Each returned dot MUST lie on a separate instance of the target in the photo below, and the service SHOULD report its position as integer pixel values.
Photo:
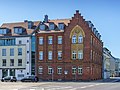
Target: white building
(106, 63)
(15, 49)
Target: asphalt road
(60, 86)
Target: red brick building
(68, 49)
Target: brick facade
(91, 62)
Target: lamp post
(65, 72)
(52, 74)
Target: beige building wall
(15, 57)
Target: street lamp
(65, 72)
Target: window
(30, 24)
(50, 40)
(3, 52)
(50, 70)
(11, 62)
(11, 51)
(79, 70)
(20, 42)
(51, 26)
(42, 27)
(40, 70)
(59, 55)
(7, 42)
(19, 62)
(27, 51)
(4, 62)
(91, 40)
(74, 55)
(59, 70)
(59, 39)
(18, 30)
(80, 54)
(50, 55)
(74, 39)
(41, 40)
(91, 54)
(73, 70)
(61, 26)
(19, 51)
(80, 39)
(27, 41)
(40, 55)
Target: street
(60, 85)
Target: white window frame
(74, 55)
(80, 70)
(50, 70)
(74, 70)
(40, 55)
(74, 39)
(40, 70)
(59, 70)
(49, 55)
(80, 54)
(80, 39)
(41, 40)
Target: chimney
(46, 18)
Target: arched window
(74, 39)
(74, 55)
(80, 39)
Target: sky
(105, 15)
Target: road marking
(91, 85)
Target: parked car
(30, 79)
(9, 78)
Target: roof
(19, 24)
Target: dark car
(30, 79)
(9, 78)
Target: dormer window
(51, 26)
(18, 30)
(4, 30)
(30, 24)
(42, 27)
(61, 26)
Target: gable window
(80, 54)
(61, 26)
(50, 40)
(40, 70)
(18, 30)
(41, 55)
(74, 39)
(59, 55)
(74, 55)
(42, 27)
(80, 39)
(59, 39)
(41, 40)
(51, 26)
(50, 55)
